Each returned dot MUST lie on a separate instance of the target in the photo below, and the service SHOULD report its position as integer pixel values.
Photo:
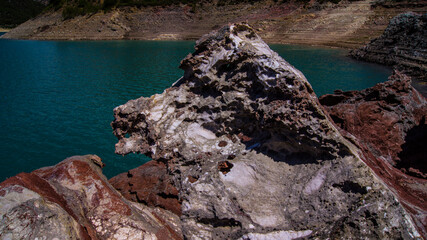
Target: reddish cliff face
(75, 201)
(388, 123)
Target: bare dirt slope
(347, 24)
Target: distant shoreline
(348, 25)
(4, 29)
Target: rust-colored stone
(225, 166)
(192, 179)
(222, 144)
(244, 138)
(149, 184)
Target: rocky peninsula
(242, 149)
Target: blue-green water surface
(57, 97)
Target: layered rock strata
(252, 153)
(388, 123)
(73, 200)
(402, 45)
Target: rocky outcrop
(402, 45)
(252, 153)
(388, 123)
(73, 200)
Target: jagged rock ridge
(251, 152)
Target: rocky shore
(403, 46)
(242, 149)
(348, 24)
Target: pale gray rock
(252, 152)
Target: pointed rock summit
(251, 152)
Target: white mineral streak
(158, 112)
(240, 175)
(266, 219)
(199, 134)
(129, 144)
(12, 199)
(174, 125)
(317, 181)
(279, 235)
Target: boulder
(252, 153)
(73, 200)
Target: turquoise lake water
(57, 97)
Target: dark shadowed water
(57, 97)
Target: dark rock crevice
(413, 157)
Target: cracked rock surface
(251, 152)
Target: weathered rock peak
(252, 153)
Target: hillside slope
(13, 13)
(346, 24)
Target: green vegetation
(15, 12)
(80, 7)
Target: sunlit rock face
(252, 153)
(73, 200)
(388, 123)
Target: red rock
(81, 203)
(225, 166)
(222, 144)
(149, 184)
(385, 121)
